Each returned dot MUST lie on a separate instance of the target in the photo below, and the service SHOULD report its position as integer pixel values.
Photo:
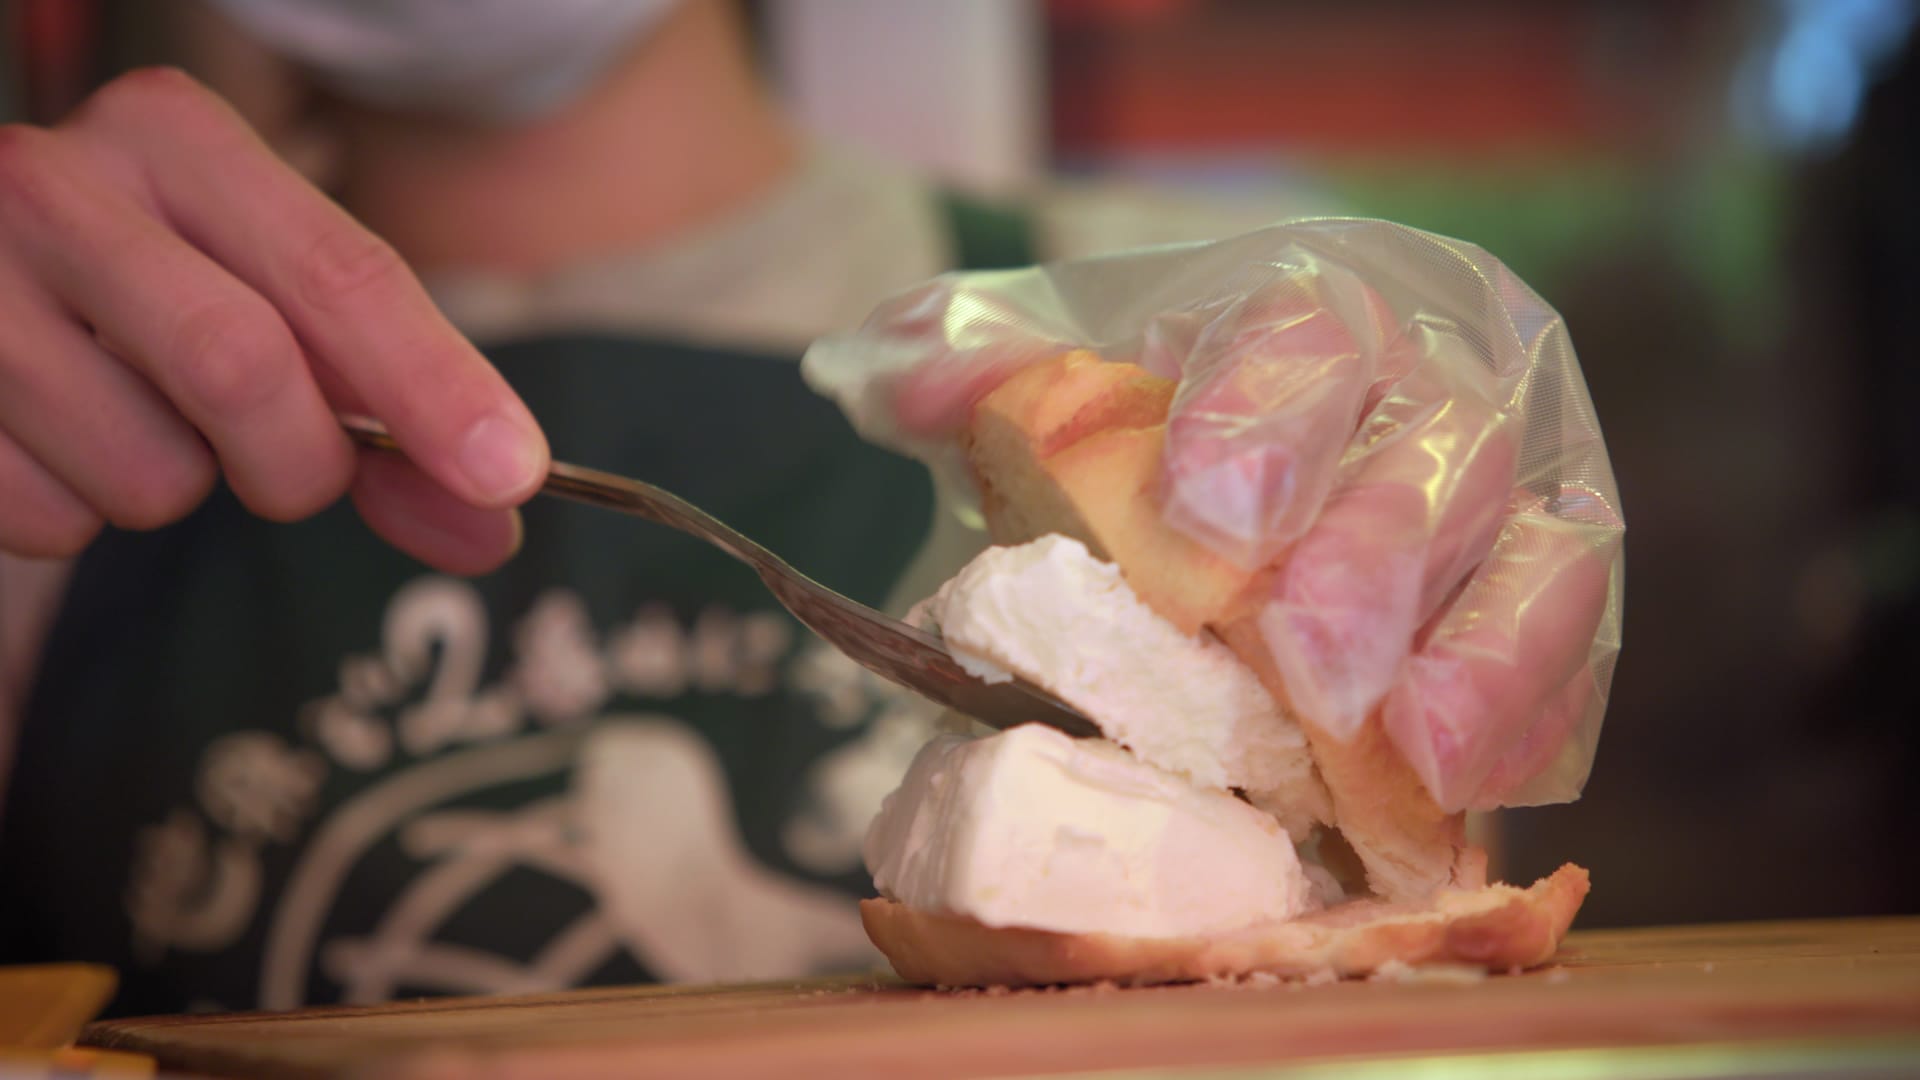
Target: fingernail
(519, 533)
(501, 459)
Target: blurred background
(1718, 195)
(1720, 199)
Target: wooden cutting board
(1755, 993)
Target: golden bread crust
(1496, 927)
(1408, 844)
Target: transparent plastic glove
(1388, 419)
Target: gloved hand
(1389, 420)
(175, 300)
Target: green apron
(267, 765)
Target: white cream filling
(1031, 828)
(1056, 615)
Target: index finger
(353, 304)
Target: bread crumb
(1443, 974)
(1323, 977)
(1559, 975)
(1102, 986)
(976, 991)
(1251, 980)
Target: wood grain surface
(1840, 983)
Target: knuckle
(287, 507)
(58, 532)
(25, 163)
(69, 537)
(320, 481)
(20, 143)
(144, 94)
(230, 358)
(345, 262)
(163, 493)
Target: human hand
(177, 304)
(1399, 438)
(1429, 565)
